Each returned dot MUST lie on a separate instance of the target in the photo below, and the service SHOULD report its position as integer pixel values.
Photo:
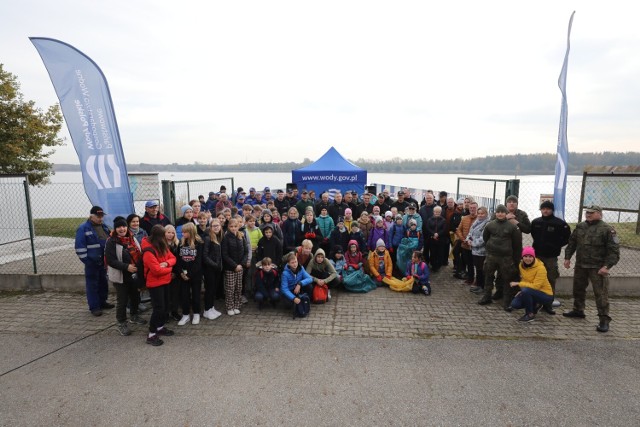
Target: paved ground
(378, 358)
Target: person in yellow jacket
(535, 289)
(380, 266)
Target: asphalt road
(109, 380)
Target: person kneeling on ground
(322, 271)
(295, 280)
(267, 286)
(419, 270)
(535, 289)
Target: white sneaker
(185, 319)
(236, 311)
(328, 295)
(556, 303)
(207, 314)
(196, 319)
(244, 300)
(214, 314)
(231, 312)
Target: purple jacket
(375, 234)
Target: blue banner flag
(562, 163)
(88, 111)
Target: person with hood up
(354, 277)
(378, 232)
(322, 271)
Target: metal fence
(38, 224)
(179, 193)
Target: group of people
(289, 247)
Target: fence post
(168, 199)
(584, 182)
(27, 199)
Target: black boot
(604, 324)
(497, 295)
(485, 300)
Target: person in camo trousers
(597, 250)
(550, 234)
(503, 242)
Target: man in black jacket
(550, 234)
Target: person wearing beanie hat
(396, 233)
(339, 236)
(549, 234)
(187, 216)
(503, 243)
(378, 233)
(535, 289)
(122, 254)
(380, 264)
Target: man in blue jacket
(91, 238)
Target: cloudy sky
(228, 82)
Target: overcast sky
(229, 81)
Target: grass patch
(57, 227)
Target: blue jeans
(262, 295)
(527, 298)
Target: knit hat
(547, 204)
(185, 208)
(528, 250)
(340, 219)
(379, 243)
(512, 198)
(412, 222)
(399, 217)
(501, 208)
(388, 213)
(378, 218)
(119, 222)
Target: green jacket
(524, 224)
(502, 239)
(595, 244)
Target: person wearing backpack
(158, 266)
(296, 282)
(122, 253)
(324, 276)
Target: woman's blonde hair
(175, 235)
(215, 237)
(235, 221)
(193, 235)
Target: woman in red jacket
(158, 264)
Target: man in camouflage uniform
(520, 219)
(503, 242)
(596, 246)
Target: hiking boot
(485, 300)
(106, 306)
(123, 329)
(154, 340)
(575, 313)
(603, 326)
(137, 320)
(497, 296)
(97, 312)
(165, 331)
(527, 318)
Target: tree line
(519, 164)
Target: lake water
(64, 197)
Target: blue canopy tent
(332, 173)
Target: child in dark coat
(267, 283)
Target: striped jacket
(89, 248)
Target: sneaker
(244, 300)
(207, 314)
(97, 312)
(137, 320)
(175, 316)
(106, 306)
(556, 303)
(575, 313)
(142, 308)
(508, 309)
(425, 290)
(165, 331)
(196, 319)
(154, 340)
(231, 312)
(527, 318)
(145, 296)
(236, 311)
(497, 296)
(184, 320)
(328, 295)
(214, 313)
(547, 309)
(123, 329)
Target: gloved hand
(379, 278)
